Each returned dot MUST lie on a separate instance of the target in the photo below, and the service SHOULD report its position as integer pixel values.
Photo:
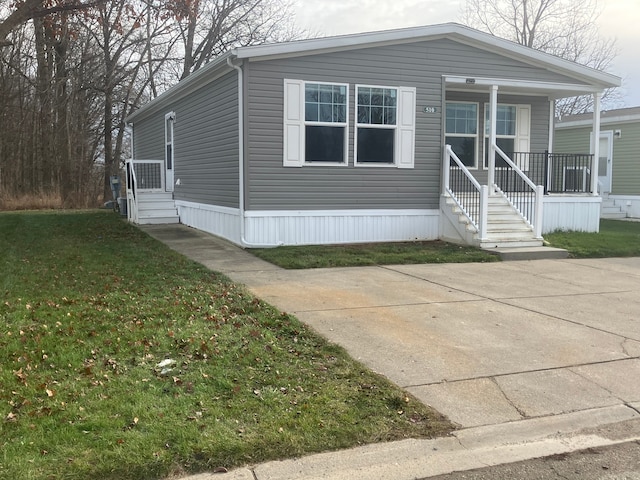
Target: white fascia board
(454, 31)
(587, 122)
(343, 41)
(522, 84)
(193, 82)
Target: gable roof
(453, 31)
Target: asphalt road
(618, 462)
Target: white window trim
(521, 140)
(404, 128)
(295, 125)
(466, 135)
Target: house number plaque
(430, 109)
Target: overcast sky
(620, 19)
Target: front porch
(509, 212)
(501, 186)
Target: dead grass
(44, 201)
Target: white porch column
(493, 107)
(595, 145)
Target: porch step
(156, 208)
(528, 253)
(609, 209)
(506, 229)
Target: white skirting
(340, 226)
(221, 221)
(311, 227)
(571, 213)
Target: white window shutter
(293, 123)
(523, 134)
(406, 132)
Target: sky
(620, 19)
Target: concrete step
(528, 253)
(158, 220)
(508, 231)
(509, 243)
(613, 216)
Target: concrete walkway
(529, 358)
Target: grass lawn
(616, 238)
(318, 256)
(120, 359)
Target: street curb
(466, 449)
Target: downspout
(241, 162)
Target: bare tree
(25, 10)
(207, 28)
(564, 28)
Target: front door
(605, 162)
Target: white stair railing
(142, 176)
(132, 194)
(524, 195)
(469, 196)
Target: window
(376, 124)
(385, 126)
(461, 131)
(325, 114)
(512, 132)
(315, 123)
(316, 120)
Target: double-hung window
(385, 126)
(376, 120)
(315, 123)
(512, 132)
(461, 131)
(325, 114)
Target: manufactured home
(437, 132)
(619, 152)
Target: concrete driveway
(485, 344)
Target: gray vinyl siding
(148, 139)
(422, 65)
(205, 143)
(626, 153)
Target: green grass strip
(322, 256)
(616, 238)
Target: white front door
(605, 161)
(168, 151)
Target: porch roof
(518, 87)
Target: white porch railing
(524, 195)
(469, 196)
(142, 175)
